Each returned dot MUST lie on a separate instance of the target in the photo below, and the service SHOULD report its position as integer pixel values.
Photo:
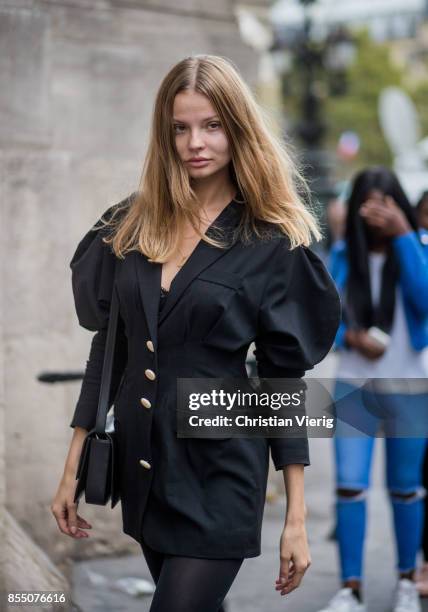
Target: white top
(400, 360)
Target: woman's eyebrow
(203, 120)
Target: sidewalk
(253, 589)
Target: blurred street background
(343, 82)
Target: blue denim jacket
(413, 261)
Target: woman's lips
(198, 163)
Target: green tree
(356, 109)
(419, 95)
(370, 73)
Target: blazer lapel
(149, 274)
(202, 256)
(149, 280)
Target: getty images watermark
(310, 407)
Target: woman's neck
(377, 245)
(214, 193)
(378, 249)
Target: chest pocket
(226, 279)
(211, 295)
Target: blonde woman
(210, 255)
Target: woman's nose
(196, 140)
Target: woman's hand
(63, 506)
(64, 510)
(364, 343)
(294, 557)
(386, 216)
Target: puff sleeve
(93, 266)
(298, 319)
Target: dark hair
(359, 309)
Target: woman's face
(375, 195)
(200, 139)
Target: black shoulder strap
(103, 401)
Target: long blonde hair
(260, 166)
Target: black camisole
(163, 295)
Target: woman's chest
(204, 303)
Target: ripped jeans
(353, 459)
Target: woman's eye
(179, 129)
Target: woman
(211, 254)
(381, 270)
(422, 210)
(422, 575)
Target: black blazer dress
(198, 497)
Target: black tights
(189, 584)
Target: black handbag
(97, 471)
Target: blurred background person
(381, 269)
(422, 576)
(422, 211)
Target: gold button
(145, 402)
(150, 346)
(150, 374)
(145, 464)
